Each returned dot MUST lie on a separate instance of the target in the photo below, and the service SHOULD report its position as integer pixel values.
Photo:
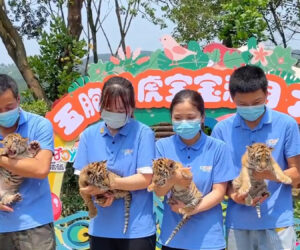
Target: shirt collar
(122, 131)
(266, 119)
(196, 146)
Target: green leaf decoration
(79, 82)
(97, 71)
(252, 43)
(233, 60)
(153, 63)
(109, 66)
(164, 63)
(197, 61)
(214, 56)
(246, 55)
(281, 60)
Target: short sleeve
(292, 139)
(81, 159)
(217, 132)
(223, 169)
(44, 134)
(159, 152)
(146, 151)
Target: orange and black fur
(96, 174)
(163, 170)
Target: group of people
(129, 148)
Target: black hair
(192, 96)
(118, 87)
(6, 82)
(247, 79)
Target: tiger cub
(14, 146)
(163, 170)
(96, 174)
(258, 157)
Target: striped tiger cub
(258, 158)
(163, 170)
(96, 174)
(14, 146)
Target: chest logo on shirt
(206, 168)
(272, 142)
(127, 151)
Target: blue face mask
(251, 113)
(9, 118)
(187, 129)
(114, 120)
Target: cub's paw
(244, 189)
(34, 147)
(285, 179)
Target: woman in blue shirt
(128, 146)
(211, 165)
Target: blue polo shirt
(210, 163)
(36, 208)
(279, 131)
(130, 151)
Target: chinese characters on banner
(156, 88)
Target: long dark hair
(117, 87)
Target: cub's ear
(271, 148)
(25, 139)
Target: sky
(142, 34)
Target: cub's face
(260, 155)
(15, 144)
(97, 174)
(163, 170)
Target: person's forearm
(294, 174)
(210, 200)
(37, 167)
(131, 183)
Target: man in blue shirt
(254, 122)
(28, 224)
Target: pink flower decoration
(128, 52)
(114, 60)
(136, 53)
(281, 60)
(142, 60)
(260, 55)
(121, 54)
(97, 71)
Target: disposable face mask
(9, 118)
(251, 113)
(187, 129)
(114, 120)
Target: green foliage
(194, 19)
(242, 19)
(60, 54)
(39, 107)
(71, 200)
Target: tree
(240, 20)
(15, 48)
(283, 20)
(194, 19)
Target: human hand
(110, 199)
(6, 208)
(264, 175)
(91, 190)
(176, 205)
(259, 199)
